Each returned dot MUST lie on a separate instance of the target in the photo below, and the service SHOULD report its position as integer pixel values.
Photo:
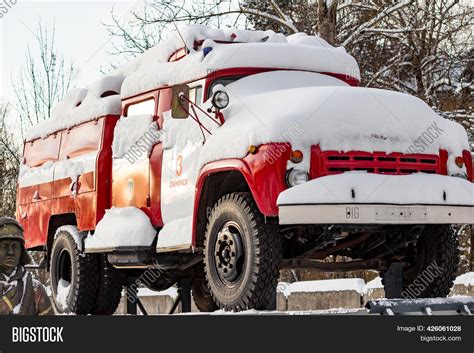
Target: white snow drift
(369, 188)
(122, 227)
(265, 106)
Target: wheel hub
(228, 252)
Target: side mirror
(180, 102)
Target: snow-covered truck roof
(153, 69)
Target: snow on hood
(265, 106)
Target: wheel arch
(225, 181)
(55, 222)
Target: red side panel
(156, 160)
(104, 169)
(468, 162)
(55, 197)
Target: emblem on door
(179, 165)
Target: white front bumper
(363, 198)
(375, 214)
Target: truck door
(183, 141)
(131, 170)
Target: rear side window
(40, 151)
(143, 108)
(82, 139)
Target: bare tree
(9, 165)
(43, 81)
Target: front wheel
(242, 253)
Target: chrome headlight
(220, 100)
(296, 177)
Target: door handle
(36, 196)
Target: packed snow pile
(135, 135)
(466, 279)
(82, 105)
(176, 233)
(36, 175)
(329, 285)
(171, 292)
(362, 187)
(376, 283)
(121, 227)
(261, 49)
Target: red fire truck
(235, 158)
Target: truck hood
(307, 109)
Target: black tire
(435, 266)
(249, 254)
(202, 296)
(80, 271)
(109, 289)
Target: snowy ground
(307, 295)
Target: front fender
(264, 172)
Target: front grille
(334, 162)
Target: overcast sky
(80, 36)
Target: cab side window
(146, 107)
(195, 95)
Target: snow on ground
(332, 311)
(329, 285)
(122, 227)
(466, 279)
(376, 283)
(145, 292)
(379, 188)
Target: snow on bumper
(364, 198)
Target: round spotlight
(220, 100)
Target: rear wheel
(202, 296)
(73, 275)
(242, 253)
(435, 265)
(109, 289)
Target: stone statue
(20, 293)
